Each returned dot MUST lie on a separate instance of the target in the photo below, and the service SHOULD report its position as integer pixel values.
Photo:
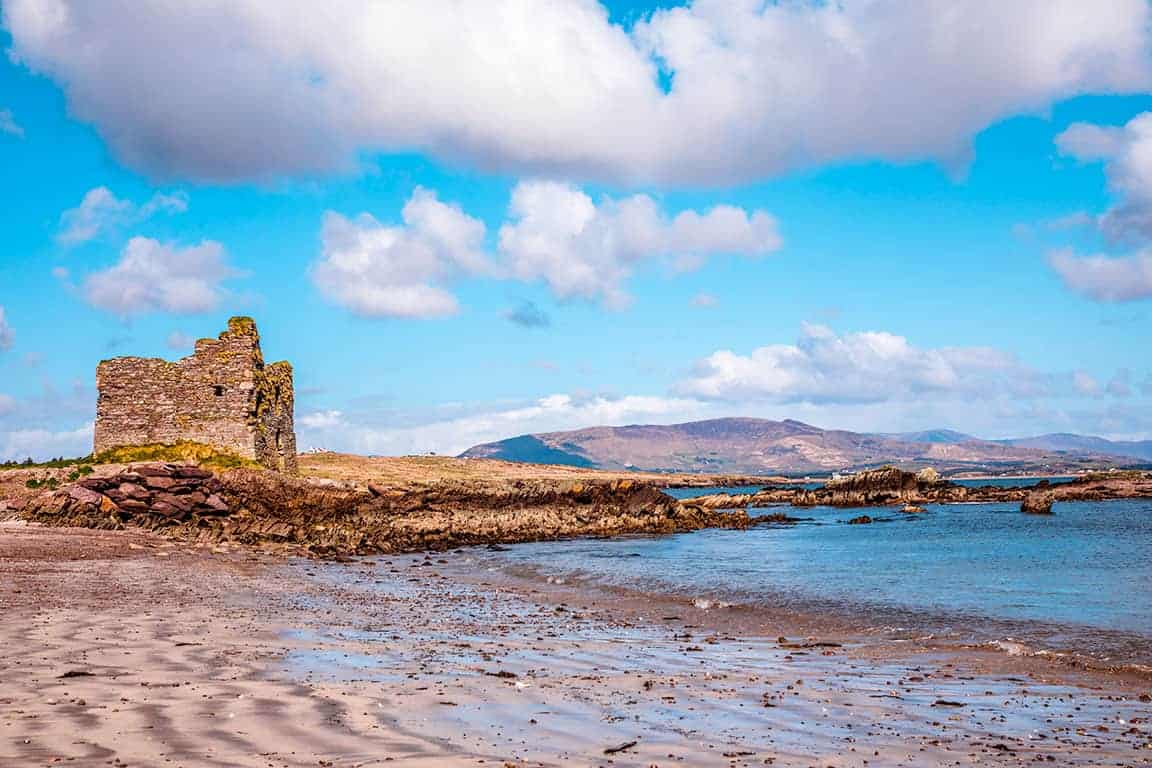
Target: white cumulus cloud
(152, 276)
(321, 420)
(332, 430)
(1105, 278)
(713, 91)
(44, 444)
(554, 233)
(378, 270)
(101, 211)
(582, 249)
(45, 425)
(1126, 152)
(872, 366)
(179, 341)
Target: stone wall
(223, 395)
(275, 433)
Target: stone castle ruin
(223, 396)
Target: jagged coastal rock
(366, 514)
(891, 486)
(328, 518)
(887, 485)
(1037, 503)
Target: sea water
(1076, 582)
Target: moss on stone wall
(242, 326)
(272, 417)
(182, 451)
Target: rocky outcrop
(891, 486)
(328, 517)
(1037, 503)
(262, 507)
(154, 495)
(881, 486)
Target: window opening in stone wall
(218, 390)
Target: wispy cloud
(43, 444)
(101, 212)
(866, 367)
(179, 341)
(1121, 385)
(7, 335)
(9, 125)
(335, 430)
(320, 420)
(56, 422)
(528, 314)
(705, 301)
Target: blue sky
(585, 214)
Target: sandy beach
(122, 648)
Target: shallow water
(1079, 581)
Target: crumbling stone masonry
(223, 395)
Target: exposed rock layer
(326, 517)
(261, 507)
(890, 486)
(1037, 503)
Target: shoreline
(361, 516)
(842, 622)
(152, 652)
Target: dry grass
(183, 451)
(392, 471)
(415, 470)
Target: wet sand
(125, 649)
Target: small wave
(1014, 647)
(707, 605)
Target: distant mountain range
(759, 446)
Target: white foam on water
(1011, 647)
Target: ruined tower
(223, 395)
